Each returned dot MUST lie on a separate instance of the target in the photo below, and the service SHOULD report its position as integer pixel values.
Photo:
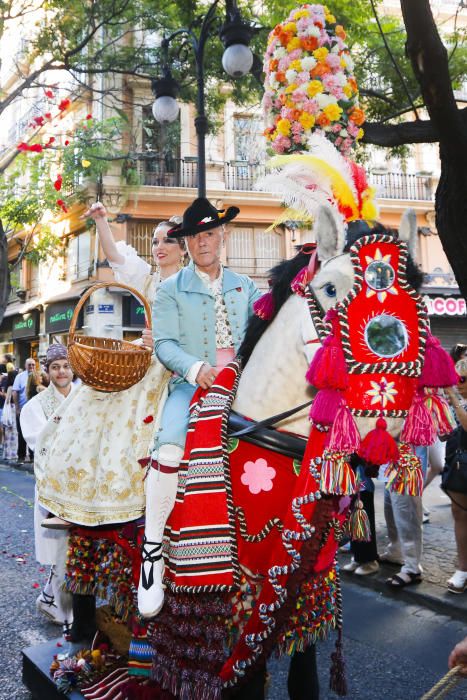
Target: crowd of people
(405, 515)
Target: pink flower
(258, 476)
(296, 53)
(352, 129)
(333, 61)
(302, 77)
(297, 139)
(297, 129)
(311, 106)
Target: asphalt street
(393, 650)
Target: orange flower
(322, 120)
(309, 43)
(280, 76)
(340, 31)
(273, 64)
(353, 83)
(319, 70)
(357, 116)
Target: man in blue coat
(200, 317)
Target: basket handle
(101, 285)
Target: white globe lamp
(165, 109)
(237, 60)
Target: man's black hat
(202, 216)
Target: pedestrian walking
(20, 398)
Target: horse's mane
(280, 277)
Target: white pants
(50, 545)
(404, 515)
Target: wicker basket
(107, 364)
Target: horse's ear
(408, 232)
(329, 234)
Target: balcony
(242, 176)
(169, 172)
(402, 186)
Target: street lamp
(237, 61)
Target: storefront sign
(137, 313)
(90, 309)
(445, 306)
(26, 326)
(105, 308)
(58, 316)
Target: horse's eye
(330, 290)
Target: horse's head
(335, 277)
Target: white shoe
(150, 589)
(458, 582)
(351, 566)
(388, 558)
(371, 567)
(46, 605)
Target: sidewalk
(438, 561)
(439, 555)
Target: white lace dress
(86, 459)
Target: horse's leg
(302, 682)
(253, 689)
(84, 617)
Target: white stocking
(161, 491)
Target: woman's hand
(96, 211)
(458, 656)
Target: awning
(74, 292)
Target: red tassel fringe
(438, 367)
(379, 447)
(325, 406)
(264, 307)
(344, 435)
(419, 427)
(328, 369)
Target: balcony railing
(239, 175)
(242, 176)
(171, 173)
(402, 186)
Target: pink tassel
(405, 476)
(328, 369)
(344, 435)
(419, 427)
(325, 405)
(441, 413)
(438, 367)
(379, 447)
(264, 307)
(300, 281)
(337, 476)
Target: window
(163, 141)
(79, 256)
(16, 280)
(140, 237)
(248, 138)
(253, 251)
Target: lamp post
(237, 61)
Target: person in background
(458, 352)
(20, 399)
(10, 431)
(458, 399)
(51, 546)
(458, 657)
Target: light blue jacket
(184, 318)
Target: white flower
(291, 75)
(348, 62)
(324, 100)
(308, 63)
(280, 52)
(313, 30)
(340, 79)
(343, 133)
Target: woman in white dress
(86, 466)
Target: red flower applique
(148, 419)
